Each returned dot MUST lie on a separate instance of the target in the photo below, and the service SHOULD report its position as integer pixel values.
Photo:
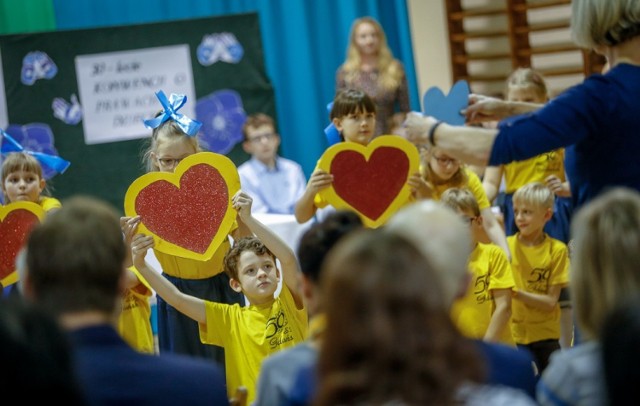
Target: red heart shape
(188, 216)
(370, 186)
(14, 230)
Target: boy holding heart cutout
(247, 334)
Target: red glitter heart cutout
(188, 216)
(370, 186)
(14, 230)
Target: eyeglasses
(262, 137)
(445, 161)
(169, 162)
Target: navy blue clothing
(505, 365)
(508, 366)
(112, 373)
(597, 124)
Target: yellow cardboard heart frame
(31, 207)
(229, 173)
(329, 194)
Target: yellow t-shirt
(536, 169)
(535, 269)
(49, 203)
(134, 323)
(490, 270)
(186, 268)
(474, 185)
(249, 334)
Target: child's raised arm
(191, 306)
(279, 248)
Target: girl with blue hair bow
(173, 138)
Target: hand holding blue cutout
(447, 108)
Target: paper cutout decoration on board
(189, 212)
(370, 180)
(447, 108)
(16, 221)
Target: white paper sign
(4, 116)
(117, 90)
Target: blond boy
(247, 334)
(541, 269)
(485, 309)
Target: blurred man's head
(442, 237)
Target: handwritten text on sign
(117, 89)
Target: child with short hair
(247, 334)
(353, 113)
(485, 309)
(275, 183)
(540, 266)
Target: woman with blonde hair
(371, 67)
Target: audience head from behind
(389, 336)
(606, 254)
(75, 260)
(36, 355)
(420, 223)
(620, 335)
(315, 245)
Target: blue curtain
(304, 42)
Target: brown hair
(75, 258)
(232, 257)
(20, 161)
(257, 120)
(460, 199)
(389, 335)
(527, 78)
(348, 101)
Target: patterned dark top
(385, 100)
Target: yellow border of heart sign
(329, 194)
(4, 212)
(229, 173)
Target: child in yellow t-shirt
(134, 323)
(540, 269)
(247, 334)
(485, 309)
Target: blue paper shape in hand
(447, 108)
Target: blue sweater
(596, 121)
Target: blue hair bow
(332, 133)
(171, 107)
(53, 162)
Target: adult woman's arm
(471, 145)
